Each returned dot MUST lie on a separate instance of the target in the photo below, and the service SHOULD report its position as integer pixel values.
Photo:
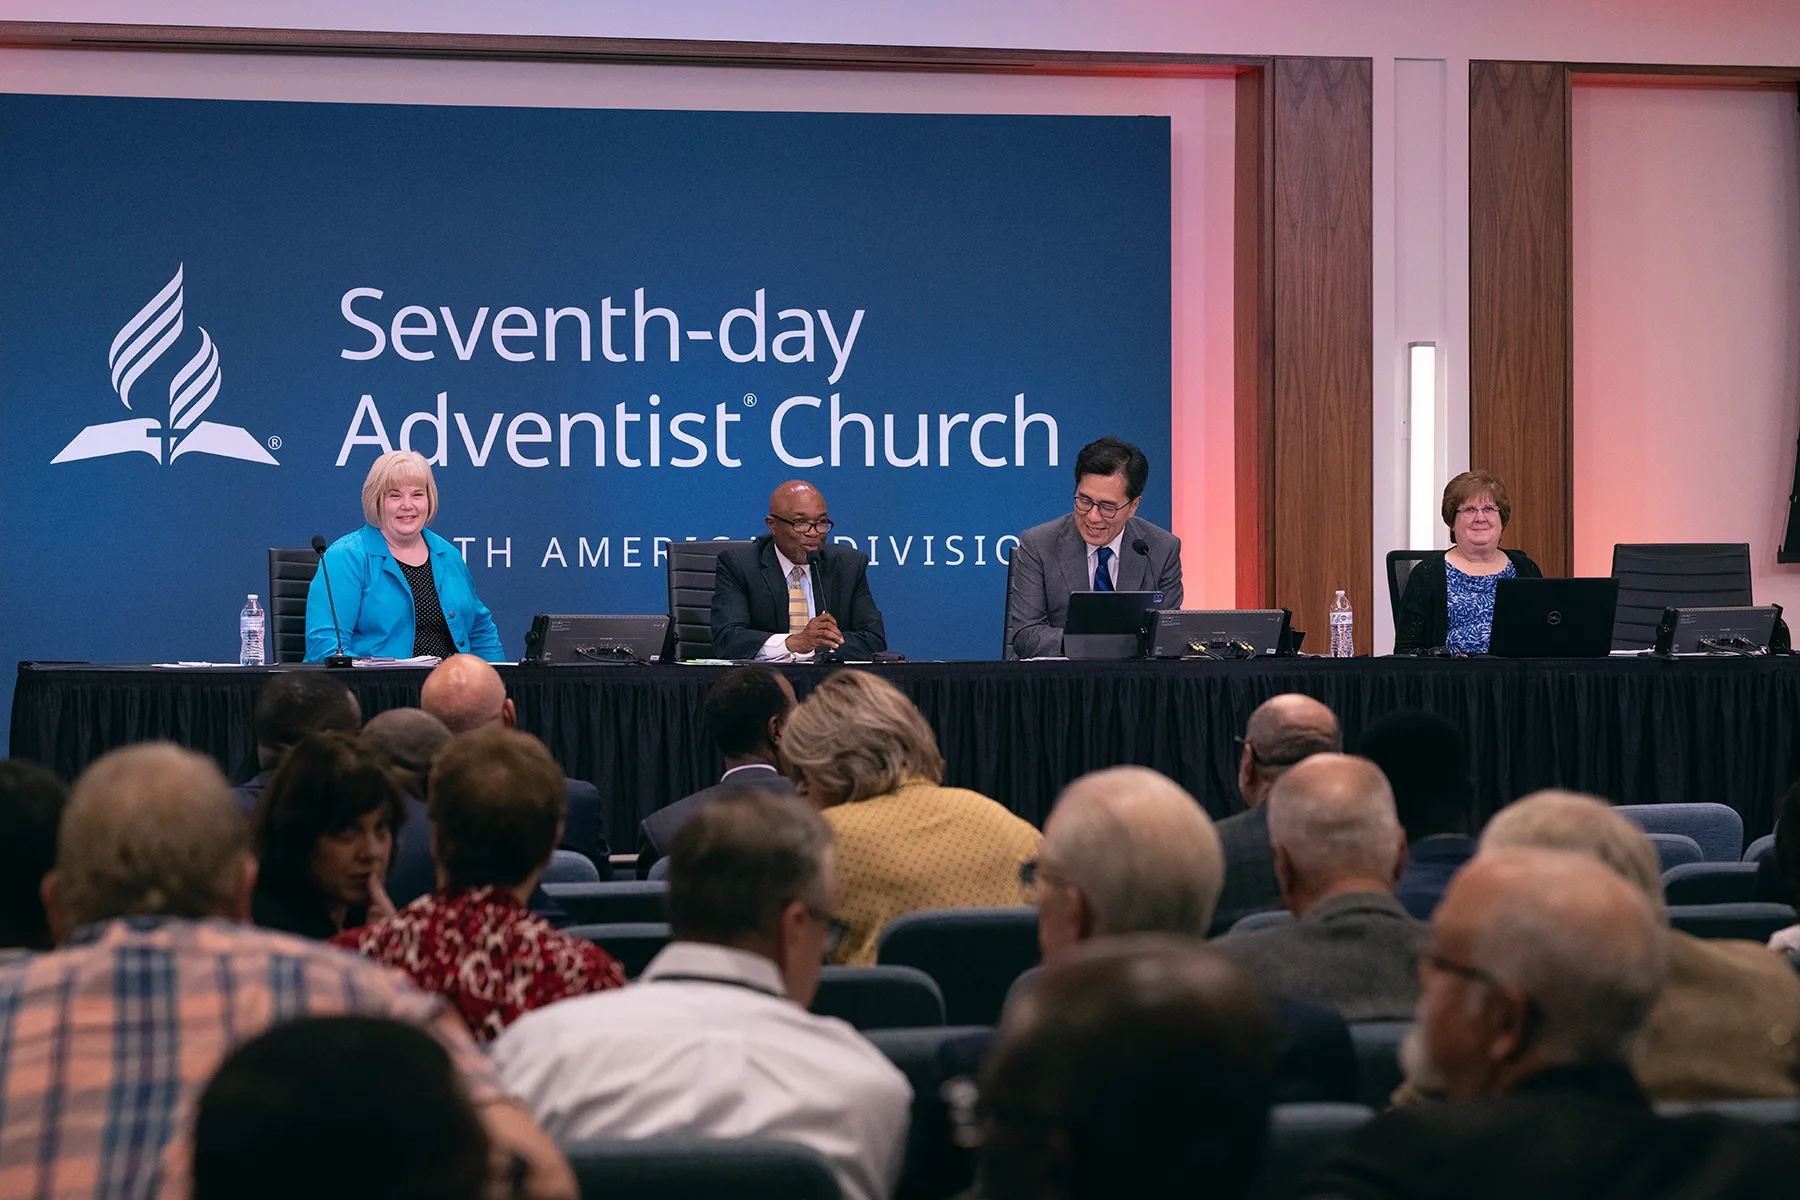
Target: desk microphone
(1142, 547)
(340, 659)
(814, 560)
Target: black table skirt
(1633, 730)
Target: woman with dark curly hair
(325, 834)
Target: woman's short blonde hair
(857, 736)
(1466, 487)
(394, 469)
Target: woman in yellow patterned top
(860, 751)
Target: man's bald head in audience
(1334, 831)
(1283, 730)
(465, 693)
(1126, 850)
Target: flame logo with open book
(143, 340)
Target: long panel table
(1634, 730)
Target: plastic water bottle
(1343, 644)
(250, 634)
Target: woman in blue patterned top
(1449, 598)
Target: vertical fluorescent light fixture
(1422, 493)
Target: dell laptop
(1553, 618)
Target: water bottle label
(1340, 618)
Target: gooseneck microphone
(1142, 547)
(814, 560)
(340, 659)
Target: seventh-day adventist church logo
(144, 339)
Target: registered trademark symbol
(749, 399)
(274, 443)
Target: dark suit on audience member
(750, 599)
(584, 829)
(1250, 885)
(1430, 862)
(250, 791)
(1356, 953)
(1578, 1132)
(1423, 622)
(658, 830)
(1051, 562)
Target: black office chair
(290, 575)
(690, 1168)
(1655, 576)
(1006, 647)
(691, 570)
(1400, 564)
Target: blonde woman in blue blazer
(400, 590)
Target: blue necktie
(1103, 577)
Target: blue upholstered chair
(1783, 1114)
(1261, 920)
(1710, 883)
(1760, 849)
(609, 903)
(570, 866)
(659, 870)
(1717, 827)
(1676, 850)
(882, 997)
(1378, 1070)
(685, 1168)
(1301, 1138)
(1751, 922)
(973, 953)
(633, 943)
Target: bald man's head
(797, 519)
(1283, 730)
(1539, 958)
(1126, 850)
(149, 830)
(465, 693)
(1333, 827)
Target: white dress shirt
(775, 649)
(1112, 566)
(707, 1044)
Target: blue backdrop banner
(607, 330)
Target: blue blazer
(375, 607)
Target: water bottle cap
(1340, 591)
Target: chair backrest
(1400, 564)
(1378, 1070)
(1261, 920)
(1710, 883)
(570, 866)
(1760, 849)
(691, 1168)
(609, 903)
(881, 997)
(1006, 647)
(1301, 1138)
(290, 575)
(1675, 850)
(691, 572)
(1656, 576)
(930, 1057)
(1717, 827)
(973, 953)
(1782, 1114)
(633, 943)
(659, 870)
(1750, 922)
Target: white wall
(1687, 322)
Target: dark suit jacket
(657, 830)
(1430, 862)
(1581, 1132)
(1424, 619)
(750, 600)
(1050, 562)
(1355, 953)
(1250, 885)
(248, 793)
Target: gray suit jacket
(1355, 953)
(1250, 885)
(1050, 562)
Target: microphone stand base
(338, 661)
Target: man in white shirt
(714, 1039)
(790, 594)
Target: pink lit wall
(1687, 322)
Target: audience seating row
(1710, 883)
(1676, 850)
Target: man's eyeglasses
(1109, 510)
(806, 525)
(836, 929)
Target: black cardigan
(1424, 619)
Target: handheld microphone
(815, 559)
(340, 659)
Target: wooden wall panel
(1323, 336)
(1253, 348)
(1521, 300)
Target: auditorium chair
(1710, 883)
(1252, 922)
(290, 575)
(633, 943)
(1400, 564)
(1675, 850)
(1301, 1138)
(973, 953)
(1378, 1070)
(570, 866)
(1653, 577)
(1760, 849)
(659, 870)
(690, 1168)
(1782, 1114)
(1716, 827)
(691, 571)
(879, 997)
(610, 903)
(935, 1166)
(1751, 922)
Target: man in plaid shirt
(106, 1042)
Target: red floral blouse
(486, 954)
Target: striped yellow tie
(796, 602)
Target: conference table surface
(1635, 730)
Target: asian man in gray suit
(1102, 546)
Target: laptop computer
(561, 639)
(1108, 624)
(1553, 618)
